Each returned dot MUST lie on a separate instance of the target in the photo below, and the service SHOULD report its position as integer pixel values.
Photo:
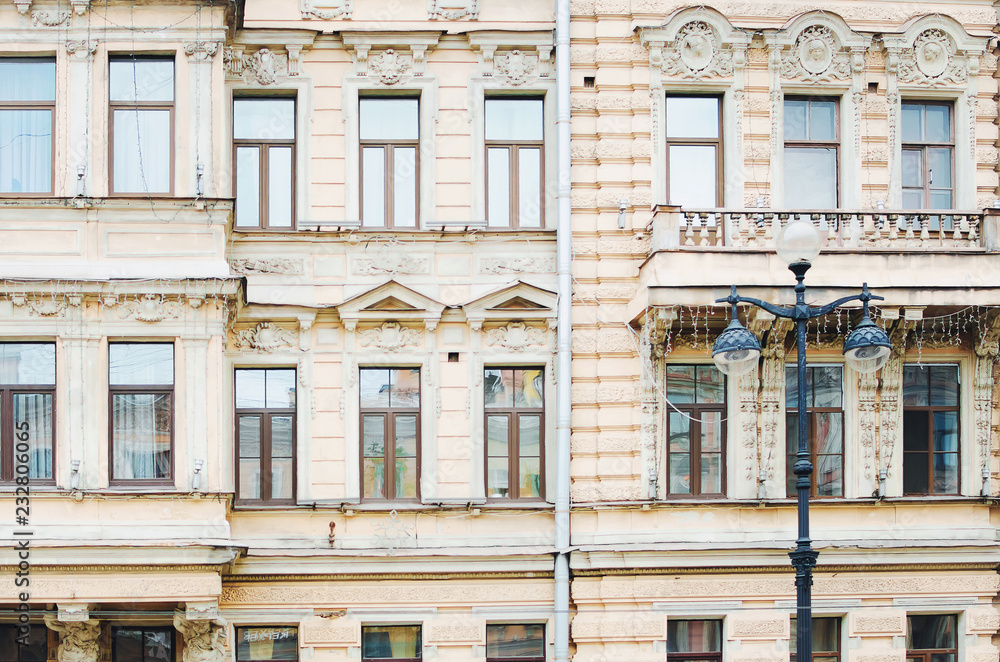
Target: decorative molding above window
(453, 10)
(325, 10)
(390, 302)
(265, 338)
(821, 48)
(934, 52)
(695, 45)
(515, 60)
(389, 59)
(263, 67)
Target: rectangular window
(825, 640)
(930, 429)
(825, 414)
(27, 121)
(812, 139)
(696, 430)
(141, 392)
(515, 417)
(27, 397)
(928, 155)
(12, 648)
(142, 107)
(515, 643)
(390, 642)
(266, 644)
(694, 151)
(390, 433)
(931, 638)
(142, 644)
(389, 130)
(265, 435)
(514, 162)
(694, 641)
(264, 157)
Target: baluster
(909, 220)
(925, 222)
(973, 231)
(704, 229)
(873, 228)
(689, 231)
(893, 220)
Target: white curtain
(25, 151)
(142, 151)
(141, 436)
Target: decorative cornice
(230, 580)
(786, 569)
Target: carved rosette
(816, 57)
(390, 336)
(264, 338)
(695, 53)
(516, 337)
(932, 61)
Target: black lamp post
(736, 351)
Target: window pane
(281, 436)
(247, 186)
(497, 469)
(279, 187)
(389, 119)
(680, 473)
(405, 387)
(829, 476)
(142, 151)
(390, 641)
(825, 635)
(692, 117)
(127, 644)
(513, 641)
(250, 389)
(528, 387)
(374, 436)
(375, 387)
(915, 432)
(711, 432)
(141, 426)
(944, 385)
(913, 122)
(823, 120)
(680, 383)
(25, 151)
(694, 636)
(529, 192)
(374, 478)
(938, 123)
(531, 477)
(829, 432)
(150, 364)
(404, 193)
(142, 79)
(249, 436)
(28, 79)
(941, 200)
(264, 119)
(711, 473)
(791, 387)
(499, 386)
(946, 473)
(693, 176)
(939, 167)
(711, 385)
(529, 435)
(157, 645)
(514, 119)
(680, 433)
(373, 185)
(498, 167)
(933, 631)
(27, 363)
(281, 389)
(406, 436)
(946, 431)
(266, 644)
(915, 473)
(33, 426)
(811, 177)
(34, 649)
(913, 199)
(828, 386)
(913, 168)
(497, 435)
(796, 120)
(281, 478)
(915, 380)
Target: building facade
(286, 376)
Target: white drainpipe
(564, 314)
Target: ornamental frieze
(695, 53)
(816, 57)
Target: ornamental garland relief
(516, 336)
(326, 9)
(932, 61)
(264, 338)
(453, 10)
(815, 57)
(695, 53)
(390, 336)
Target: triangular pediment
(391, 301)
(518, 300)
(518, 303)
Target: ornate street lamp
(736, 352)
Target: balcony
(673, 228)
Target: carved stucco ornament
(390, 66)
(150, 308)
(326, 10)
(77, 639)
(204, 640)
(453, 10)
(516, 67)
(49, 18)
(277, 265)
(696, 53)
(265, 337)
(815, 57)
(391, 262)
(264, 67)
(516, 336)
(932, 61)
(390, 336)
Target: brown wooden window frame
(927, 654)
(819, 144)
(818, 654)
(420, 646)
(8, 436)
(697, 656)
(717, 142)
(142, 389)
(513, 415)
(694, 413)
(37, 105)
(265, 414)
(389, 415)
(263, 146)
(514, 182)
(923, 147)
(540, 658)
(389, 147)
(792, 441)
(140, 106)
(930, 452)
(143, 628)
(243, 628)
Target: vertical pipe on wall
(563, 337)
